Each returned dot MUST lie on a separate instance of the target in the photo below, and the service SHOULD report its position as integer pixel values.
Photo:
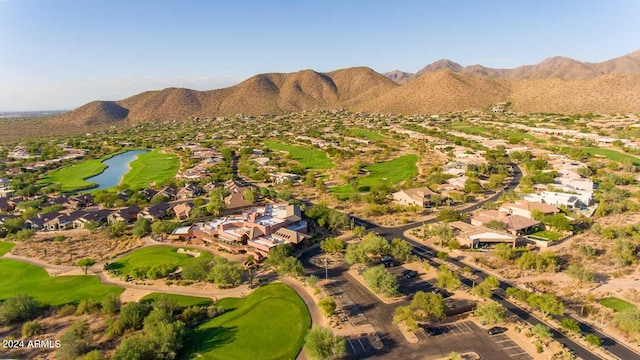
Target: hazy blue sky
(60, 54)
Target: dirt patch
(78, 244)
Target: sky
(61, 54)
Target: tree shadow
(205, 340)
(114, 266)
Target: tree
(593, 340)
(375, 245)
(312, 280)
(141, 227)
(570, 325)
(18, 308)
(337, 220)
(164, 227)
(541, 331)
(278, 254)
(628, 320)
(381, 281)
(355, 254)
(111, 304)
(321, 344)
(623, 252)
(32, 328)
(448, 279)
(291, 267)
(225, 273)
(482, 290)
(581, 273)
(423, 306)
(443, 231)
(490, 313)
(401, 250)
(76, 341)
(332, 245)
(328, 306)
(196, 270)
(216, 204)
(449, 215)
(546, 303)
(85, 264)
(13, 225)
(117, 229)
(504, 251)
(359, 231)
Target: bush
(381, 281)
(593, 340)
(32, 328)
(18, 308)
(87, 306)
(66, 310)
(111, 304)
(570, 325)
(328, 306)
(160, 271)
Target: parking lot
(466, 336)
(347, 310)
(510, 347)
(409, 286)
(359, 347)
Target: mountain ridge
(557, 84)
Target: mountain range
(558, 84)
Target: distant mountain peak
(442, 64)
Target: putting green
(5, 247)
(18, 277)
(154, 255)
(271, 323)
(309, 158)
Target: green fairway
(609, 154)
(271, 323)
(309, 158)
(149, 167)
(72, 177)
(5, 247)
(616, 304)
(367, 134)
(182, 300)
(154, 255)
(470, 129)
(389, 172)
(18, 277)
(546, 235)
(523, 136)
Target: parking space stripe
(522, 353)
(353, 348)
(462, 331)
(510, 347)
(501, 341)
(363, 349)
(467, 326)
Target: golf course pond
(117, 166)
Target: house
(189, 191)
(526, 208)
(148, 193)
(4, 205)
(6, 193)
(236, 200)
(417, 196)
(183, 210)
(281, 178)
(98, 217)
(155, 212)
(168, 192)
(183, 233)
(127, 215)
(556, 199)
(515, 224)
(473, 236)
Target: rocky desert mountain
(557, 84)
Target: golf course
(154, 166)
(309, 158)
(5, 247)
(182, 300)
(387, 172)
(154, 255)
(247, 329)
(18, 278)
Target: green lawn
(364, 133)
(616, 304)
(18, 277)
(72, 177)
(151, 166)
(183, 300)
(470, 129)
(609, 154)
(389, 172)
(309, 158)
(271, 323)
(547, 235)
(154, 255)
(530, 137)
(5, 247)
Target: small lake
(117, 166)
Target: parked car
(496, 330)
(410, 274)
